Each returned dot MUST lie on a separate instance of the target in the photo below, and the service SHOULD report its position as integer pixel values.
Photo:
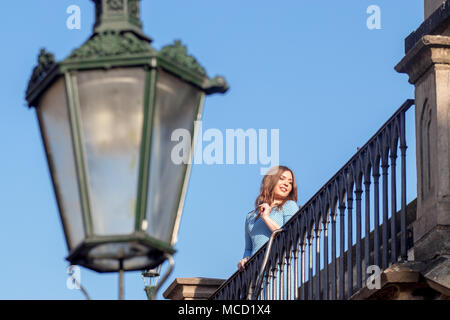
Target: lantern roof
(118, 41)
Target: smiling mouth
(283, 189)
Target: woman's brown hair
(266, 193)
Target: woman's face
(284, 185)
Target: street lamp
(106, 114)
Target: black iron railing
(304, 262)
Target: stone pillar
(431, 6)
(427, 63)
(192, 288)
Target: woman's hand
(264, 210)
(242, 263)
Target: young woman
(275, 205)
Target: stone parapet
(192, 288)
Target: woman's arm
(247, 250)
(264, 213)
(248, 243)
(272, 225)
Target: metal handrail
(264, 265)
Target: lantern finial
(119, 15)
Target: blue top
(258, 233)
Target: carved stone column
(427, 62)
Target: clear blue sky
(309, 68)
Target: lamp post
(106, 114)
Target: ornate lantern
(106, 114)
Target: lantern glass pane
(56, 131)
(111, 115)
(175, 108)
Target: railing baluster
(296, 286)
(367, 225)
(325, 260)
(384, 168)
(393, 208)
(318, 234)
(333, 255)
(403, 148)
(288, 274)
(251, 290)
(228, 293)
(251, 285)
(274, 281)
(310, 267)
(376, 234)
(341, 257)
(254, 274)
(243, 285)
(302, 270)
(261, 294)
(358, 193)
(231, 292)
(265, 291)
(271, 284)
(281, 265)
(349, 243)
(239, 284)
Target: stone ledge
(437, 274)
(405, 281)
(192, 288)
(427, 51)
